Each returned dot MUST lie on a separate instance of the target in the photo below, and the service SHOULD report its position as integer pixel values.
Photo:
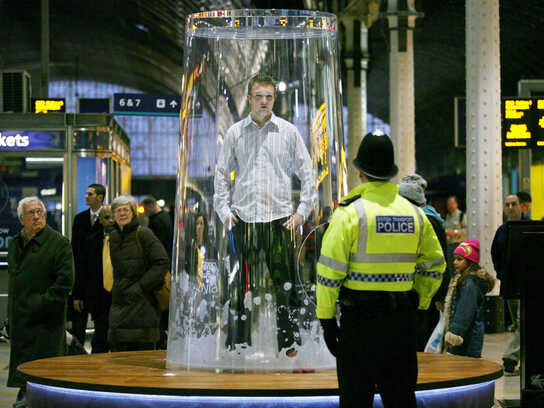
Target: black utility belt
(350, 297)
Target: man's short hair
(28, 200)
(454, 197)
(261, 79)
(99, 189)
(524, 197)
(149, 200)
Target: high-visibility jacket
(378, 241)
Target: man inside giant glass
(257, 160)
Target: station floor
(506, 388)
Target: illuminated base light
(540, 143)
(476, 396)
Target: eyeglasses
(122, 210)
(38, 212)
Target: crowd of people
(387, 257)
(109, 271)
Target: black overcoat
(40, 278)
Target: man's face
(106, 219)
(525, 207)
(261, 99)
(33, 218)
(92, 199)
(512, 208)
(452, 205)
(148, 209)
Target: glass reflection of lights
(476, 395)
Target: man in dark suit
(159, 222)
(86, 224)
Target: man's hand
(294, 221)
(232, 221)
(78, 305)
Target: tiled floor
(507, 388)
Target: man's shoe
(509, 367)
(75, 348)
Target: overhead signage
(32, 140)
(47, 105)
(146, 104)
(94, 105)
(523, 122)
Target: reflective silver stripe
(330, 283)
(380, 277)
(333, 263)
(363, 232)
(429, 264)
(421, 224)
(387, 258)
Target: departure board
(523, 123)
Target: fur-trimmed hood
(483, 279)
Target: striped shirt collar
(273, 120)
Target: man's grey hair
(124, 200)
(27, 200)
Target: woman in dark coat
(139, 264)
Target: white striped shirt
(264, 160)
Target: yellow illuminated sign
(320, 151)
(523, 122)
(48, 105)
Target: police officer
(370, 250)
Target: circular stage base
(140, 379)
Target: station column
(402, 15)
(484, 159)
(356, 18)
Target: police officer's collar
(273, 119)
(384, 190)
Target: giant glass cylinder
(261, 167)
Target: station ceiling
(139, 44)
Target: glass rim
(261, 24)
(247, 12)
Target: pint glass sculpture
(261, 167)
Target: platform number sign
(523, 123)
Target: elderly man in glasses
(40, 267)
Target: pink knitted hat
(469, 249)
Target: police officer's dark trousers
(377, 348)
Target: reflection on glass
(21, 178)
(260, 169)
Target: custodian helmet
(375, 157)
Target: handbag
(162, 296)
(433, 345)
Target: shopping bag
(433, 345)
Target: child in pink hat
(464, 305)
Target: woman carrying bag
(139, 263)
